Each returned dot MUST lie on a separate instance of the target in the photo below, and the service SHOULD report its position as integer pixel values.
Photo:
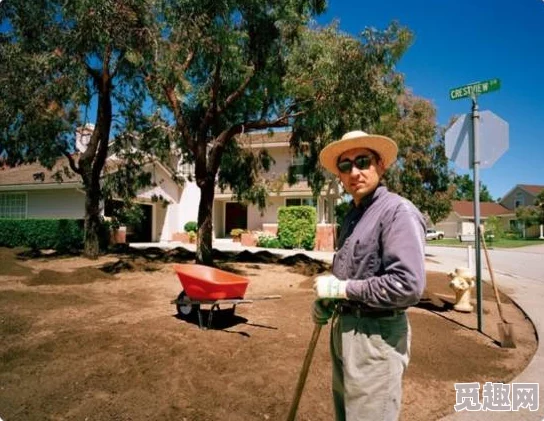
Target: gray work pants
(369, 357)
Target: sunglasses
(361, 162)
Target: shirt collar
(368, 199)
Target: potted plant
(236, 234)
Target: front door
(235, 216)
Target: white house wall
(56, 204)
(254, 219)
(164, 186)
(159, 219)
(218, 218)
(178, 214)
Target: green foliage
(494, 226)
(421, 173)
(464, 189)
(297, 226)
(529, 215)
(341, 83)
(190, 226)
(63, 235)
(340, 212)
(267, 240)
(532, 215)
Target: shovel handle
(492, 275)
(304, 373)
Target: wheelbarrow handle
(304, 373)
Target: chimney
(83, 137)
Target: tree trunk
(92, 221)
(91, 165)
(204, 239)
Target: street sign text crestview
(476, 88)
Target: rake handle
(304, 373)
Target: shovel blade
(506, 333)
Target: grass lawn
(498, 243)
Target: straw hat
(385, 147)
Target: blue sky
(464, 41)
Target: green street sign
(475, 89)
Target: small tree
(494, 224)
(464, 189)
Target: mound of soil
(118, 349)
(78, 276)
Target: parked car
(433, 234)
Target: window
(13, 205)
(297, 167)
(519, 200)
(301, 201)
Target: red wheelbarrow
(210, 286)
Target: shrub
(268, 240)
(62, 235)
(296, 226)
(190, 226)
(340, 212)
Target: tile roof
(531, 188)
(31, 174)
(465, 208)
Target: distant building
(523, 195)
(460, 221)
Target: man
(378, 272)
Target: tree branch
(170, 93)
(212, 109)
(226, 135)
(237, 93)
(72, 163)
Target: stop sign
(493, 140)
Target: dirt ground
(100, 340)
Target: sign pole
(476, 167)
(463, 147)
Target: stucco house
(32, 191)
(460, 221)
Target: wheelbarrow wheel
(185, 310)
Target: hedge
(60, 234)
(296, 226)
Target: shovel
(506, 330)
(304, 373)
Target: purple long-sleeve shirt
(382, 252)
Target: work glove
(322, 311)
(329, 286)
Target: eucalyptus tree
(339, 83)
(464, 189)
(218, 69)
(421, 173)
(356, 86)
(64, 64)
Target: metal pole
(476, 167)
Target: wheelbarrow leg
(210, 315)
(200, 322)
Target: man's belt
(360, 311)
